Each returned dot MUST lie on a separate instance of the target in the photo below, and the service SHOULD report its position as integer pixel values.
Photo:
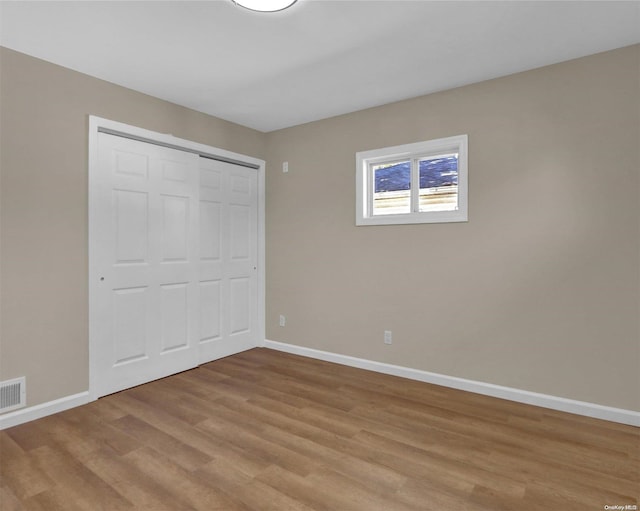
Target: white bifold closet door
(228, 259)
(174, 244)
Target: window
(425, 182)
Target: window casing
(424, 182)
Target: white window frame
(413, 152)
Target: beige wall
(538, 291)
(43, 158)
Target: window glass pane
(392, 188)
(439, 183)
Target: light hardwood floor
(264, 430)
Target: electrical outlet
(388, 337)
(285, 166)
(283, 320)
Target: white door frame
(97, 124)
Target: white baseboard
(488, 389)
(608, 413)
(38, 411)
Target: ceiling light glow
(265, 5)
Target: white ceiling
(318, 59)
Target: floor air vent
(12, 394)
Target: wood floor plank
(55, 499)
(80, 486)
(171, 399)
(527, 441)
(135, 485)
(199, 440)
(427, 496)
(357, 496)
(439, 467)
(8, 500)
(300, 489)
(194, 491)
(30, 435)
(270, 431)
(19, 474)
(149, 435)
(247, 440)
(356, 465)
